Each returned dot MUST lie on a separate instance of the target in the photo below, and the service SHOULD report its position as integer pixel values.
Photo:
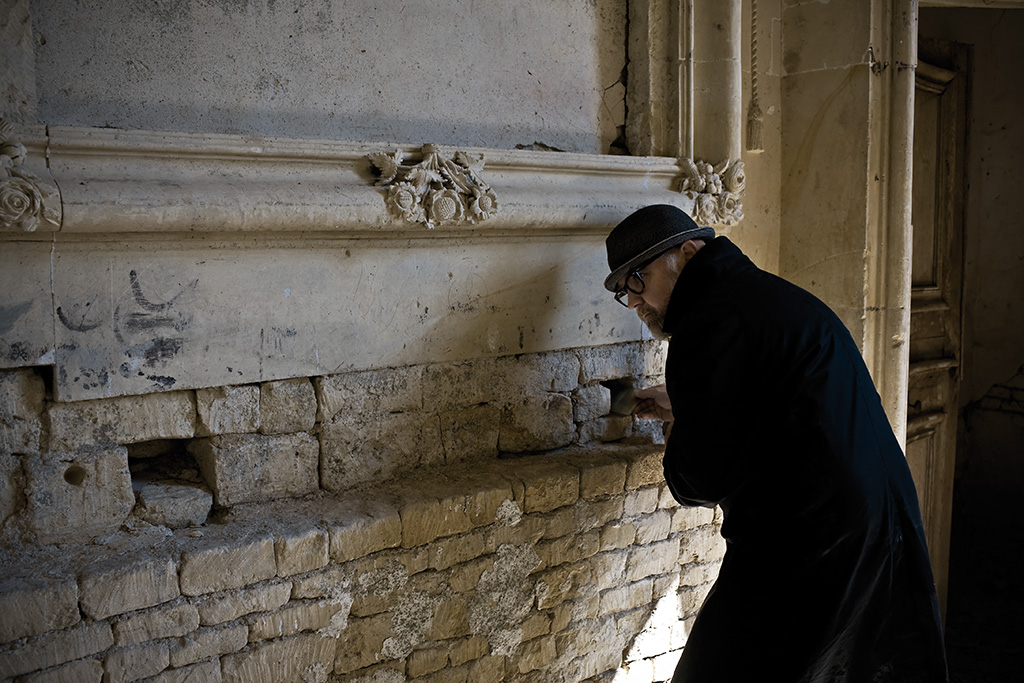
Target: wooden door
(936, 296)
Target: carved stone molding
(716, 191)
(133, 182)
(26, 201)
(437, 190)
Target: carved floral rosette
(715, 190)
(436, 191)
(25, 200)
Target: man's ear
(691, 247)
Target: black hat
(644, 235)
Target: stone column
(717, 80)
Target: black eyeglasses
(634, 283)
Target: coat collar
(719, 258)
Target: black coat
(826, 574)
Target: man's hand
(653, 404)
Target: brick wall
(481, 521)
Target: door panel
(936, 294)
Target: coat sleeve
(712, 379)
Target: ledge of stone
(152, 182)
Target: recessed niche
(169, 488)
(623, 395)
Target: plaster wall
(480, 74)
(825, 133)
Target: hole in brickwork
(162, 459)
(623, 395)
(168, 484)
(75, 475)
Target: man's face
(659, 278)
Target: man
(773, 416)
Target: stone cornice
(145, 182)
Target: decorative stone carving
(716, 191)
(25, 200)
(436, 191)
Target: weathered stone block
(684, 518)
(591, 402)
(55, 648)
(427, 660)
(651, 560)
(233, 563)
(644, 466)
(468, 649)
(426, 518)
(357, 449)
(536, 654)
(562, 583)
(172, 504)
(165, 622)
(537, 423)
(333, 581)
(361, 642)
(34, 605)
(699, 573)
(640, 502)
(72, 496)
(568, 548)
(547, 484)
(487, 380)
(490, 669)
(653, 527)
(465, 577)
(298, 658)
(363, 528)
(391, 390)
(486, 496)
(118, 586)
(80, 671)
(208, 642)
(247, 468)
(300, 550)
(625, 598)
(450, 620)
(609, 568)
(122, 420)
(702, 544)
(292, 619)
(287, 406)
(228, 410)
(217, 609)
(12, 485)
(617, 535)
(136, 663)
(456, 550)
(205, 672)
(602, 363)
(378, 584)
(535, 625)
(606, 428)
(21, 409)
(470, 433)
(665, 499)
(690, 599)
(592, 514)
(600, 475)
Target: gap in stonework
(168, 485)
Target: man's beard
(655, 321)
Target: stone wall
(491, 519)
